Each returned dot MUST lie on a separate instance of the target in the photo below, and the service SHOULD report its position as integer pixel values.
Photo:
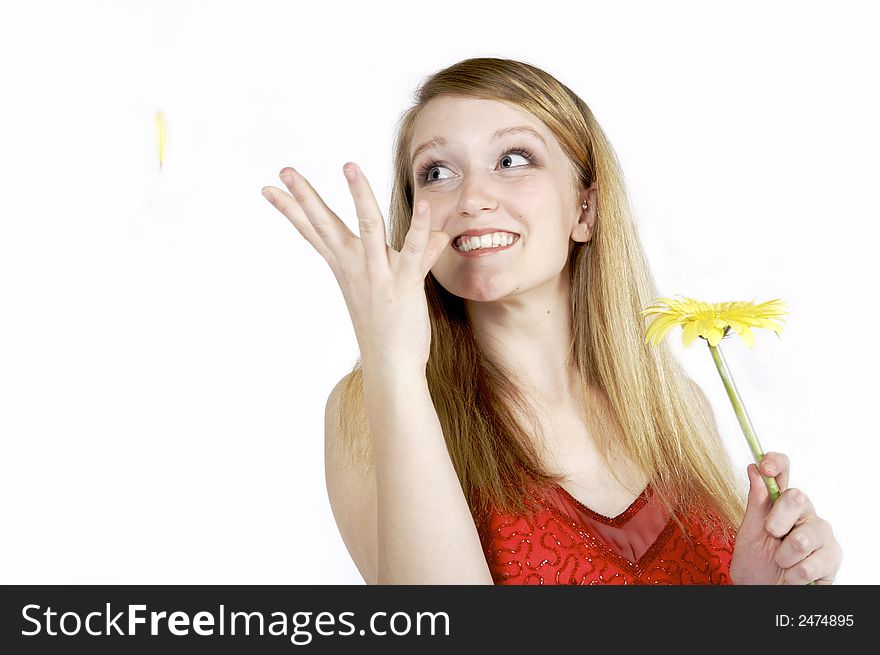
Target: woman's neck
(529, 335)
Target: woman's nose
(476, 195)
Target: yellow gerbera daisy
(712, 321)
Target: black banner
(425, 619)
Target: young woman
(506, 421)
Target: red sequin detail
(566, 542)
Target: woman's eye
(430, 173)
(510, 156)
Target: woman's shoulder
(351, 485)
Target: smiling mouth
(487, 242)
(483, 251)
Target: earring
(584, 205)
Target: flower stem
(743, 417)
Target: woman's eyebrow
(504, 131)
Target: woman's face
(480, 175)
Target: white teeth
(493, 240)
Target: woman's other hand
(783, 542)
(384, 289)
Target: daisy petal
(689, 333)
(747, 336)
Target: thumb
(438, 240)
(759, 502)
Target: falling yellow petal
(712, 321)
(161, 136)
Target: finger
(792, 508)
(327, 225)
(412, 255)
(284, 203)
(776, 465)
(803, 540)
(438, 241)
(370, 222)
(759, 501)
(820, 566)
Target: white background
(168, 340)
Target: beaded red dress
(566, 542)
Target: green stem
(744, 422)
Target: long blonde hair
(657, 414)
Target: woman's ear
(585, 227)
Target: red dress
(568, 543)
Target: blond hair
(660, 422)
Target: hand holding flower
(781, 540)
(782, 543)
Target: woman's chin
(484, 293)
(483, 286)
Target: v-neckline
(615, 521)
(639, 566)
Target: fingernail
(267, 195)
(769, 467)
(349, 173)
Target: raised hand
(383, 289)
(782, 543)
